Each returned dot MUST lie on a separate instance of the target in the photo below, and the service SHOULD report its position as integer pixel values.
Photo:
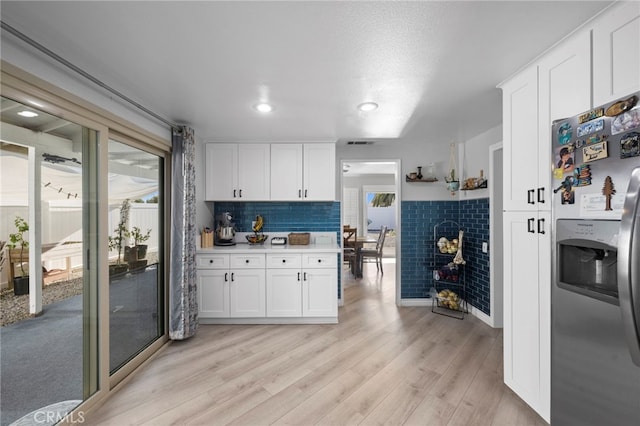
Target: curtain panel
(183, 296)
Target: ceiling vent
(359, 142)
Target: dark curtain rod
(53, 55)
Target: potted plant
(17, 241)
(452, 182)
(138, 239)
(118, 241)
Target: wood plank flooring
(381, 365)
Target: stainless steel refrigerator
(595, 295)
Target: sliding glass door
(136, 308)
(49, 268)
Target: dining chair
(377, 252)
(349, 236)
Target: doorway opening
(371, 202)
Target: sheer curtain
(183, 296)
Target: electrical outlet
(253, 224)
(485, 247)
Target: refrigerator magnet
(564, 133)
(565, 161)
(630, 145)
(594, 152)
(582, 175)
(566, 185)
(590, 127)
(608, 190)
(591, 115)
(627, 121)
(568, 197)
(621, 106)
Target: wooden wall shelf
(408, 179)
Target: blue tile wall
(474, 219)
(418, 246)
(418, 249)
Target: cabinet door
(526, 308)
(286, 172)
(520, 140)
(564, 79)
(319, 172)
(254, 165)
(247, 293)
(221, 176)
(284, 293)
(616, 52)
(319, 292)
(213, 293)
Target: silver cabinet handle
(541, 195)
(298, 276)
(226, 277)
(232, 277)
(541, 226)
(234, 193)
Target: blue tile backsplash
(418, 247)
(285, 216)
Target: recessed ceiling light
(368, 106)
(28, 114)
(264, 107)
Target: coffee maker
(225, 230)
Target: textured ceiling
(432, 66)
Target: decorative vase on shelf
(419, 175)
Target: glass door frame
(30, 90)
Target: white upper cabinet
(558, 86)
(616, 52)
(303, 172)
(286, 172)
(564, 84)
(320, 172)
(520, 140)
(237, 172)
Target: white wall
(474, 156)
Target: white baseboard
(472, 309)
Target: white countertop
(268, 248)
(243, 247)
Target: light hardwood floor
(380, 365)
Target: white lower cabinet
(295, 290)
(231, 286)
(262, 287)
(527, 304)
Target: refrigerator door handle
(629, 270)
